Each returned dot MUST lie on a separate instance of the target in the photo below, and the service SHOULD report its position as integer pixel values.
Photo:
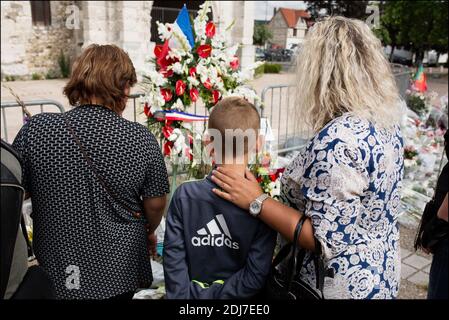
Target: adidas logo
(215, 234)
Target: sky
(264, 9)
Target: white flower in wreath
(174, 135)
(202, 71)
(155, 100)
(213, 75)
(164, 30)
(242, 76)
(220, 85)
(178, 138)
(175, 53)
(178, 105)
(156, 78)
(218, 41)
(245, 93)
(192, 82)
(177, 68)
(200, 28)
(218, 55)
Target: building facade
(289, 27)
(35, 35)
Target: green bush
(272, 68)
(10, 78)
(259, 70)
(64, 65)
(51, 75)
(36, 76)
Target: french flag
(183, 28)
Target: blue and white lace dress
(348, 181)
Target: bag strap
(294, 247)
(297, 258)
(94, 170)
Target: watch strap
(262, 198)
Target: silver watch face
(254, 207)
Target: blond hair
(342, 68)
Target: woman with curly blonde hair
(346, 183)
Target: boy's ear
(208, 144)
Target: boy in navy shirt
(212, 248)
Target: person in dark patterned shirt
(91, 220)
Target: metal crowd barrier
(276, 101)
(14, 104)
(277, 105)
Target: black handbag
(289, 285)
(431, 229)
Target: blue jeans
(438, 280)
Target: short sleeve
(20, 145)
(334, 178)
(156, 178)
(291, 184)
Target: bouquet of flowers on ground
(410, 156)
(419, 102)
(194, 65)
(267, 176)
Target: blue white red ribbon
(173, 115)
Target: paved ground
(414, 269)
(415, 266)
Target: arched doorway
(167, 12)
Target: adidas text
(214, 241)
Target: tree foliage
(350, 9)
(415, 25)
(261, 34)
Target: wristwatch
(255, 207)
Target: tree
(428, 27)
(261, 34)
(416, 25)
(392, 18)
(350, 9)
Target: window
(40, 13)
(294, 32)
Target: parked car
(278, 55)
(287, 54)
(400, 56)
(260, 54)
